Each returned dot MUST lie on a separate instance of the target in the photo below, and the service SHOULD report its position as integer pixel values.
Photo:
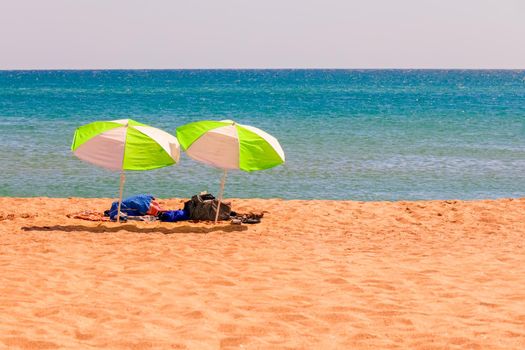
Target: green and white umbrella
(125, 144)
(227, 145)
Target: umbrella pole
(122, 181)
(221, 192)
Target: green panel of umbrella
(228, 145)
(125, 144)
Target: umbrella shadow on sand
(132, 228)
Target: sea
(366, 135)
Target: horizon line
(255, 68)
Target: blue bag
(174, 215)
(133, 206)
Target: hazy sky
(85, 34)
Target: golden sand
(312, 275)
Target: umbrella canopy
(227, 145)
(125, 145)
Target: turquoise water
(347, 134)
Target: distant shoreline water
(267, 69)
(360, 134)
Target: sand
(312, 275)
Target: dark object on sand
(204, 207)
(248, 218)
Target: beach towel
(141, 204)
(88, 215)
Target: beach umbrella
(227, 145)
(125, 144)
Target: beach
(371, 153)
(314, 274)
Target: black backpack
(204, 207)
